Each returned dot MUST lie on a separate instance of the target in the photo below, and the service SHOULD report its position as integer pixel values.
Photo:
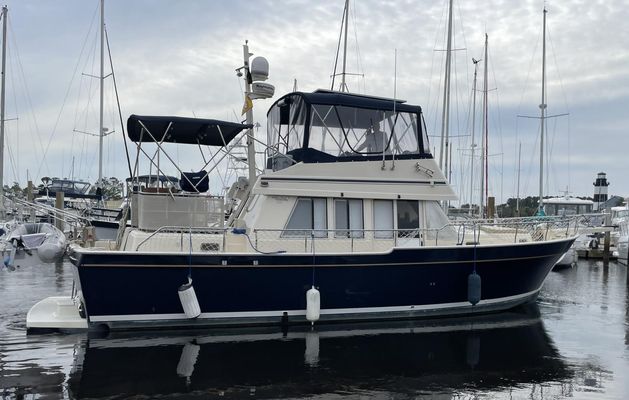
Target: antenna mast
(542, 107)
(445, 116)
(102, 82)
(485, 128)
(5, 11)
(473, 133)
(346, 19)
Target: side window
(407, 218)
(383, 219)
(308, 214)
(348, 218)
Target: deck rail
(459, 233)
(455, 233)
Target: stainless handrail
(182, 229)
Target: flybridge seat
(194, 182)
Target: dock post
(29, 191)
(491, 207)
(59, 206)
(607, 239)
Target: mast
(473, 132)
(485, 125)
(445, 116)
(542, 107)
(102, 82)
(251, 148)
(517, 198)
(343, 84)
(5, 10)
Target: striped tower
(600, 190)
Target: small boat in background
(563, 207)
(32, 244)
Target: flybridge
(329, 126)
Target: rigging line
(530, 69)
(338, 48)
(359, 64)
(15, 164)
(430, 114)
(54, 129)
(552, 168)
(113, 76)
(468, 124)
(457, 100)
(26, 89)
(90, 94)
(563, 91)
(533, 159)
(565, 99)
(84, 113)
(497, 115)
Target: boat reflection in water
(447, 355)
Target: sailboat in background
(24, 243)
(105, 221)
(568, 259)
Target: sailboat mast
(542, 107)
(5, 10)
(517, 198)
(343, 84)
(486, 124)
(102, 82)
(473, 133)
(445, 116)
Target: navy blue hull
(145, 285)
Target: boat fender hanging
(188, 299)
(313, 305)
(473, 288)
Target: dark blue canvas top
(325, 97)
(183, 130)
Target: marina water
(573, 343)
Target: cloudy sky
(178, 58)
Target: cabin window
(348, 218)
(383, 219)
(309, 214)
(407, 218)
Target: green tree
(111, 188)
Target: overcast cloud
(178, 58)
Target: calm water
(572, 344)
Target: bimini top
(184, 130)
(152, 178)
(333, 98)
